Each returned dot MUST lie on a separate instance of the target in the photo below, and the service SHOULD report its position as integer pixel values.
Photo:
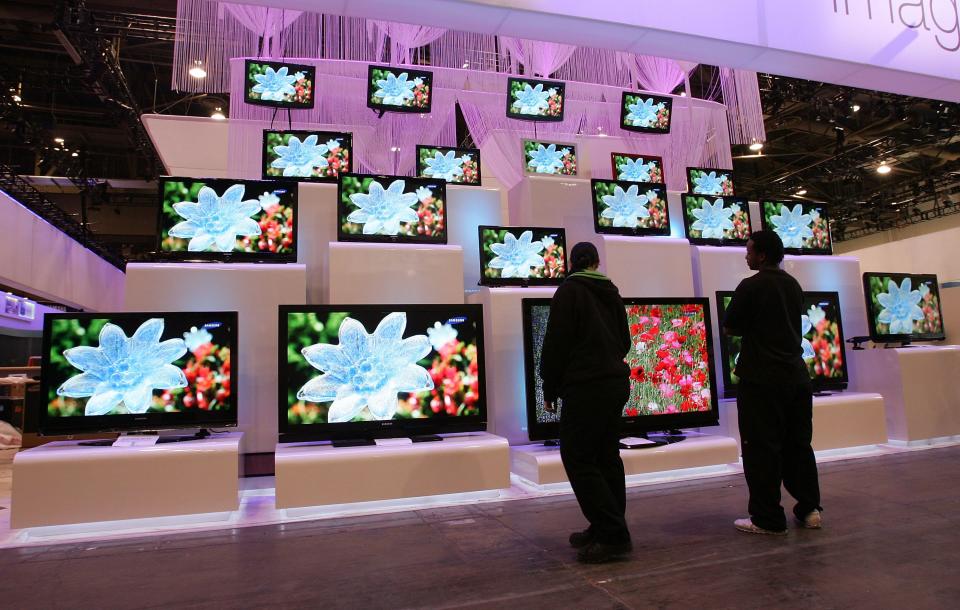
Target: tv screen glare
(549, 158)
(630, 208)
(392, 209)
(367, 371)
(138, 371)
(455, 165)
(903, 307)
(646, 113)
(227, 220)
(522, 256)
(803, 226)
(709, 181)
(279, 84)
(535, 100)
(714, 220)
(317, 156)
(391, 89)
(672, 380)
(637, 168)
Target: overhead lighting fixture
(756, 146)
(683, 94)
(466, 65)
(218, 114)
(17, 99)
(74, 154)
(802, 192)
(856, 108)
(58, 140)
(883, 168)
(197, 70)
(394, 149)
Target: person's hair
(769, 244)
(583, 256)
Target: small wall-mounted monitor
(394, 89)
(535, 100)
(279, 84)
(646, 113)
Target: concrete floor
(892, 539)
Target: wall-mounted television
(628, 167)
(279, 84)
(804, 226)
(716, 221)
(138, 371)
(391, 209)
(535, 100)
(368, 371)
(455, 165)
(522, 256)
(227, 220)
(393, 89)
(903, 307)
(672, 380)
(630, 208)
(709, 181)
(542, 158)
(646, 113)
(822, 342)
(317, 156)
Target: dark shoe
(746, 525)
(578, 540)
(602, 552)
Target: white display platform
(950, 310)
(395, 273)
(316, 228)
(468, 207)
(503, 347)
(254, 291)
(190, 145)
(320, 474)
(541, 465)
(65, 483)
(647, 266)
(919, 386)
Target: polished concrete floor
(891, 540)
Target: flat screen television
(903, 307)
(535, 100)
(549, 158)
(716, 221)
(138, 371)
(630, 208)
(455, 165)
(279, 84)
(227, 220)
(522, 256)
(672, 380)
(637, 168)
(823, 344)
(392, 209)
(646, 113)
(394, 89)
(317, 156)
(709, 181)
(804, 226)
(368, 371)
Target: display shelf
(647, 266)
(468, 208)
(316, 228)
(320, 474)
(64, 482)
(254, 291)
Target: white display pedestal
(950, 310)
(376, 273)
(316, 228)
(541, 465)
(919, 386)
(468, 207)
(320, 474)
(65, 483)
(647, 266)
(254, 291)
(503, 346)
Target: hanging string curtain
(657, 74)
(267, 23)
(537, 57)
(741, 95)
(405, 38)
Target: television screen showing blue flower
(630, 208)
(549, 158)
(392, 209)
(903, 307)
(535, 100)
(317, 156)
(455, 165)
(645, 112)
(802, 225)
(525, 256)
(709, 181)
(279, 84)
(394, 89)
(628, 167)
(716, 220)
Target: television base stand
(126, 439)
(640, 442)
(552, 443)
(353, 442)
(426, 438)
(668, 437)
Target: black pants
(590, 449)
(776, 427)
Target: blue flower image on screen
(214, 222)
(550, 158)
(275, 85)
(901, 306)
(793, 226)
(625, 208)
(303, 159)
(447, 166)
(382, 210)
(518, 257)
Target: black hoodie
(587, 336)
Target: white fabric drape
(537, 57)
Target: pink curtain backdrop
(404, 38)
(741, 95)
(267, 23)
(537, 58)
(657, 74)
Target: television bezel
(412, 73)
(657, 98)
(560, 85)
(275, 65)
(704, 241)
(901, 338)
(821, 209)
(614, 169)
(627, 231)
(708, 170)
(540, 281)
(328, 179)
(445, 149)
(389, 239)
(528, 173)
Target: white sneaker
(813, 520)
(746, 525)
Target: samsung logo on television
(213, 325)
(457, 320)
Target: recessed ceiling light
(197, 70)
(802, 192)
(883, 168)
(218, 114)
(17, 99)
(74, 154)
(856, 108)
(58, 140)
(756, 146)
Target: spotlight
(74, 154)
(58, 140)
(17, 99)
(683, 94)
(466, 65)
(856, 108)
(756, 146)
(197, 70)
(883, 168)
(218, 114)
(394, 149)
(802, 192)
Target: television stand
(640, 442)
(129, 437)
(426, 438)
(179, 438)
(552, 443)
(858, 342)
(668, 437)
(353, 442)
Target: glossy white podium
(552, 201)
(316, 228)
(66, 483)
(647, 266)
(395, 273)
(320, 474)
(468, 207)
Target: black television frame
(630, 232)
(704, 241)
(559, 85)
(615, 170)
(412, 73)
(657, 98)
(717, 170)
(522, 282)
(348, 136)
(342, 214)
(446, 149)
(901, 338)
(807, 206)
(247, 85)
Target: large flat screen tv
(138, 371)
(522, 256)
(455, 165)
(716, 221)
(368, 371)
(535, 100)
(803, 226)
(709, 181)
(392, 209)
(903, 307)
(227, 220)
(393, 89)
(279, 84)
(542, 158)
(628, 167)
(646, 113)
(317, 156)
(672, 381)
(630, 208)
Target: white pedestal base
(468, 207)
(316, 228)
(65, 483)
(623, 259)
(316, 475)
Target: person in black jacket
(582, 364)
(774, 395)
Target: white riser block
(365, 273)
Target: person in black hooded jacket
(582, 364)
